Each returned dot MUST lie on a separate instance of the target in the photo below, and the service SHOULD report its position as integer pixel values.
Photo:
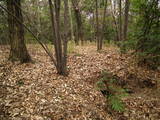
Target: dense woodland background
(109, 48)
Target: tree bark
(120, 20)
(65, 40)
(125, 30)
(60, 49)
(79, 22)
(103, 24)
(71, 21)
(114, 20)
(57, 40)
(18, 51)
(97, 26)
(93, 26)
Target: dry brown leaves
(36, 92)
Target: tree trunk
(18, 51)
(57, 4)
(103, 25)
(71, 21)
(65, 40)
(97, 26)
(61, 54)
(78, 21)
(93, 26)
(113, 9)
(127, 4)
(120, 20)
(57, 47)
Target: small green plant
(116, 103)
(20, 82)
(101, 85)
(71, 47)
(78, 54)
(112, 92)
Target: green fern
(116, 103)
(116, 92)
(100, 85)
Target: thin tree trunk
(18, 50)
(71, 21)
(93, 27)
(54, 32)
(61, 53)
(97, 26)
(55, 22)
(114, 20)
(78, 21)
(120, 20)
(57, 4)
(127, 4)
(65, 41)
(103, 25)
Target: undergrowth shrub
(71, 47)
(144, 33)
(125, 46)
(114, 93)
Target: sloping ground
(34, 91)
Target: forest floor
(33, 91)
